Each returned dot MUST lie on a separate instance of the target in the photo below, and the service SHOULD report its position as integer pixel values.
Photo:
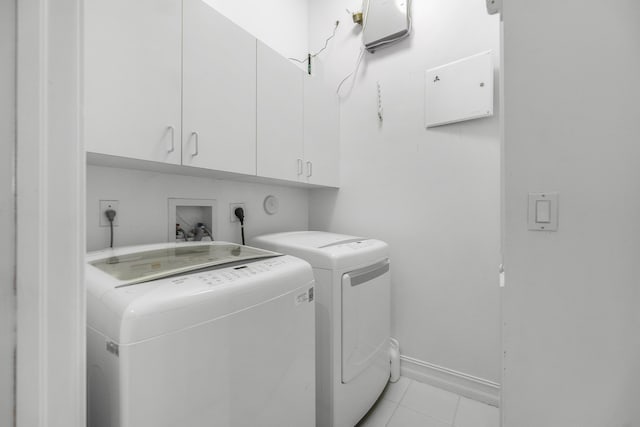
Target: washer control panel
(232, 274)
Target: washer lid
(137, 267)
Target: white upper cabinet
(132, 78)
(219, 92)
(279, 117)
(174, 81)
(321, 133)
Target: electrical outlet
(232, 208)
(109, 204)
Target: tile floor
(409, 403)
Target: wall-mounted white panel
(458, 91)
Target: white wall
(7, 249)
(281, 24)
(432, 194)
(572, 298)
(144, 215)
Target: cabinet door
(219, 92)
(280, 116)
(132, 78)
(321, 133)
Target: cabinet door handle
(299, 166)
(197, 138)
(309, 169)
(173, 133)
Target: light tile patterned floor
(409, 403)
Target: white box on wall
(385, 21)
(458, 91)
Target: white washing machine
(352, 319)
(199, 334)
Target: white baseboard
(447, 379)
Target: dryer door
(365, 319)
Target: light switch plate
(543, 211)
(541, 219)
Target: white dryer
(199, 334)
(352, 319)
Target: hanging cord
(326, 43)
(111, 214)
(355, 70)
(239, 213)
(366, 16)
